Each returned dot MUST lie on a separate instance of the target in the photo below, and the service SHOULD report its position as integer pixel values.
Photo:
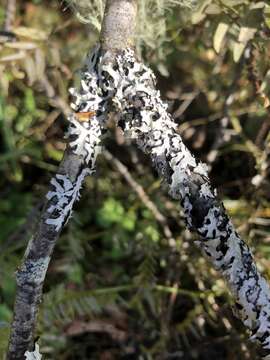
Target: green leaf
(5, 313)
(152, 233)
(111, 212)
(129, 221)
(4, 335)
(265, 86)
(75, 274)
(267, 15)
(29, 100)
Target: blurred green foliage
(118, 287)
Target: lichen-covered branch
(113, 79)
(84, 135)
(144, 117)
(79, 161)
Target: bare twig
(185, 104)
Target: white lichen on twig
(64, 194)
(144, 117)
(84, 138)
(33, 355)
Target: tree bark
(119, 23)
(80, 155)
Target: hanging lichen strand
(144, 117)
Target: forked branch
(114, 80)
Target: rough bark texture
(118, 24)
(79, 160)
(30, 276)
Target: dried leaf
(199, 13)
(14, 57)
(31, 33)
(220, 33)
(213, 9)
(238, 49)
(266, 103)
(258, 5)
(21, 45)
(246, 34)
(30, 69)
(232, 3)
(40, 63)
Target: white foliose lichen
(33, 355)
(130, 86)
(62, 198)
(84, 138)
(144, 117)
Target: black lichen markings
(189, 181)
(145, 116)
(200, 205)
(84, 137)
(62, 197)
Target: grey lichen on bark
(113, 79)
(65, 187)
(78, 161)
(143, 116)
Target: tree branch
(118, 25)
(114, 77)
(79, 160)
(144, 117)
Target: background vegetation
(126, 280)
